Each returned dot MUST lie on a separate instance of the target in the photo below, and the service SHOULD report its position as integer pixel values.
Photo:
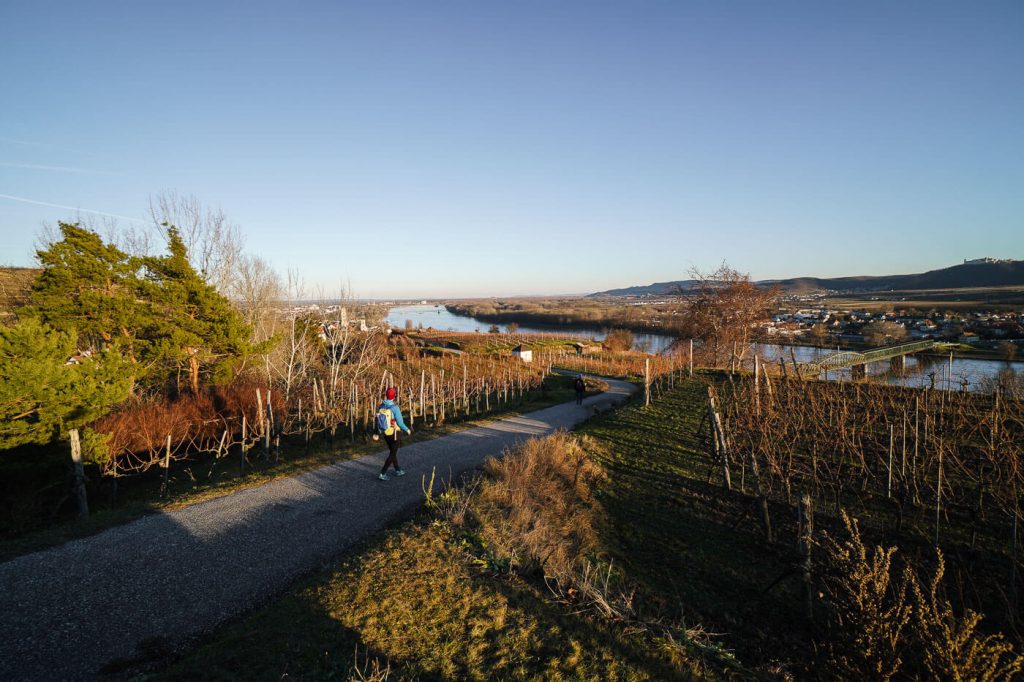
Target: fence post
(243, 443)
(719, 437)
(938, 498)
(757, 383)
(804, 546)
(259, 410)
(268, 425)
(888, 487)
(78, 483)
(766, 518)
(647, 381)
(167, 467)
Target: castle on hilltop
(982, 261)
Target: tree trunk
(193, 374)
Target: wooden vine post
(167, 467)
(78, 474)
(804, 544)
(647, 381)
(719, 437)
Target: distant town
(980, 328)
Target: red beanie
(392, 393)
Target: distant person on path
(581, 388)
(389, 423)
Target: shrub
(870, 612)
(951, 647)
(136, 433)
(885, 627)
(618, 340)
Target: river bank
(969, 370)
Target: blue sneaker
(384, 477)
(399, 472)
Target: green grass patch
(693, 550)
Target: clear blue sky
(494, 148)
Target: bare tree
(721, 311)
(819, 334)
(880, 333)
(297, 351)
(350, 351)
(258, 293)
(214, 243)
(618, 340)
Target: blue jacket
(396, 413)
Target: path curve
(157, 583)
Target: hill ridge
(964, 275)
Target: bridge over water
(856, 360)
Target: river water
(438, 317)
(921, 370)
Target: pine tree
(157, 311)
(198, 332)
(87, 286)
(46, 396)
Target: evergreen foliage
(157, 310)
(193, 329)
(43, 393)
(86, 286)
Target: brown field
(994, 298)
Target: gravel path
(153, 585)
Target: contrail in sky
(71, 208)
(66, 169)
(44, 145)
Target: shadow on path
(159, 582)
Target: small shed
(585, 348)
(522, 353)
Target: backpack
(384, 421)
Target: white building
(524, 354)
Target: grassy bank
(36, 512)
(491, 582)
(694, 551)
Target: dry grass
(537, 508)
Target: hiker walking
(581, 388)
(388, 423)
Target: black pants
(579, 397)
(392, 442)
